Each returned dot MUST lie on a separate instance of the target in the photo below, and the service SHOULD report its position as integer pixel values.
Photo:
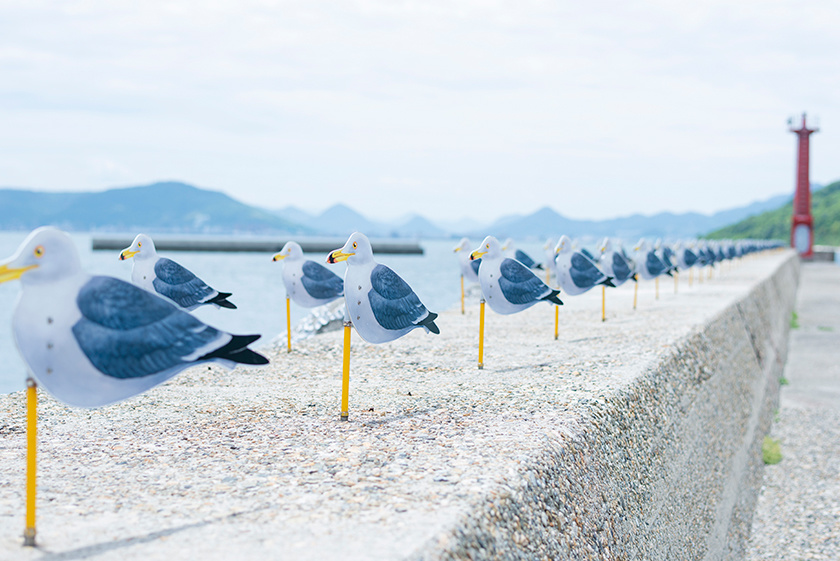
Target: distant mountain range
(161, 207)
(174, 207)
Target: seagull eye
(39, 251)
(487, 246)
(139, 244)
(355, 245)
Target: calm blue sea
(254, 281)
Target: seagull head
(47, 254)
(463, 245)
(605, 246)
(642, 245)
(508, 245)
(564, 245)
(489, 247)
(356, 250)
(142, 248)
(291, 251)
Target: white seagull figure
(577, 273)
(508, 285)
(169, 279)
(381, 305)
(615, 263)
(469, 267)
(308, 283)
(95, 340)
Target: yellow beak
(477, 255)
(457, 249)
(278, 257)
(13, 273)
(128, 254)
(338, 255)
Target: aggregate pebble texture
(636, 438)
(798, 511)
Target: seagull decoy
(381, 305)
(577, 273)
(648, 264)
(378, 303)
(615, 263)
(510, 250)
(95, 340)
(469, 267)
(169, 279)
(308, 283)
(507, 284)
(686, 258)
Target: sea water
(253, 278)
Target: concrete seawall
(669, 467)
(637, 438)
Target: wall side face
(667, 468)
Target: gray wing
(654, 265)
(475, 264)
(179, 284)
(620, 267)
(584, 272)
(525, 259)
(320, 282)
(394, 303)
(519, 284)
(127, 332)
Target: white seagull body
(577, 273)
(648, 264)
(469, 267)
(308, 284)
(381, 305)
(95, 340)
(508, 285)
(615, 263)
(169, 279)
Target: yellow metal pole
(288, 326)
(345, 375)
(676, 280)
(690, 276)
(556, 322)
(547, 275)
(656, 280)
(31, 460)
(711, 270)
(462, 295)
(603, 303)
(635, 291)
(700, 274)
(481, 336)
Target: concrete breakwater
(253, 244)
(637, 438)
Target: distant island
(775, 224)
(192, 210)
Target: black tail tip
(553, 298)
(429, 323)
(609, 282)
(221, 300)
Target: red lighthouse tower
(802, 227)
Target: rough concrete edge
(619, 484)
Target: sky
(449, 109)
